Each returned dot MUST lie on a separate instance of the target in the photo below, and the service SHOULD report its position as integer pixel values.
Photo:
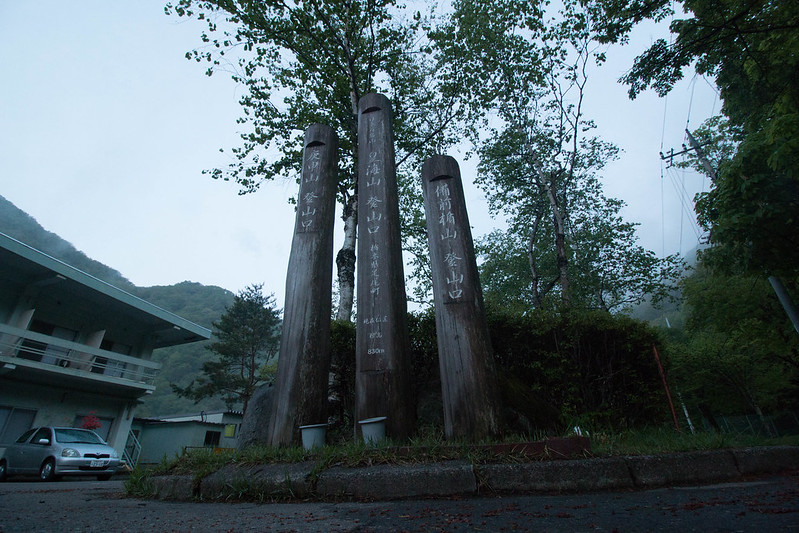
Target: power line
(662, 195)
(690, 102)
(685, 202)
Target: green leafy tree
(308, 62)
(539, 165)
(247, 338)
(751, 50)
(740, 353)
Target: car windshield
(76, 436)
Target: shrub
(591, 369)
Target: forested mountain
(202, 305)
(199, 303)
(16, 223)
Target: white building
(72, 345)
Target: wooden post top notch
(320, 135)
(439, 167)
(372, 102)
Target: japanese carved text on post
(382, 344)
(468, 380)
(376, 227)
(308, 200)
(303, 365)
(452, 251)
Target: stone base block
(174, 487)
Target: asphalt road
(762, 505)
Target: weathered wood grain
(304, 361)
(468, 379)
(382, 342)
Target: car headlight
(70, 452)
(114, 455)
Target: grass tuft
(659, 440)
(432, 447)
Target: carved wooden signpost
(468, 379)
(304, 361)
(382, 342)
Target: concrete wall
(59, 407)
(169, 439)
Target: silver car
(52, 452)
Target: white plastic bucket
(313, 436)
(373, 429)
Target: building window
(14, 421)
(230, 431)
(49, 354)
(99, 365)
(31, 350)
(105, 425)
(212, 438)
(110, 367)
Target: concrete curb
(695, 467)
(389, 482)
(456, 478)
(568, 476)
(766, 460)
(277, 481)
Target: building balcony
(39, 358)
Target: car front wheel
(47, 471)
(3, 472)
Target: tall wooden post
(382, 343)
(304, 361)
(468, 379)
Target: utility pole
(702, 157)
(700, 153)
(776, 283)
(785, 300)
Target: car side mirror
(46, 442)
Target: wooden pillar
(300, 396)
(468, 379)
(382, 343)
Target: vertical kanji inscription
(382, 343)
(304, 361)
(468, 379)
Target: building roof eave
(168, 328)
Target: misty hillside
(670, 313)
(199, 303)
(16, 223)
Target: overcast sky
(105, 129)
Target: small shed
(168, 437)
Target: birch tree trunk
(560, 232)
(345, 260)
(532, 262)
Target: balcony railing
(17, 345)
